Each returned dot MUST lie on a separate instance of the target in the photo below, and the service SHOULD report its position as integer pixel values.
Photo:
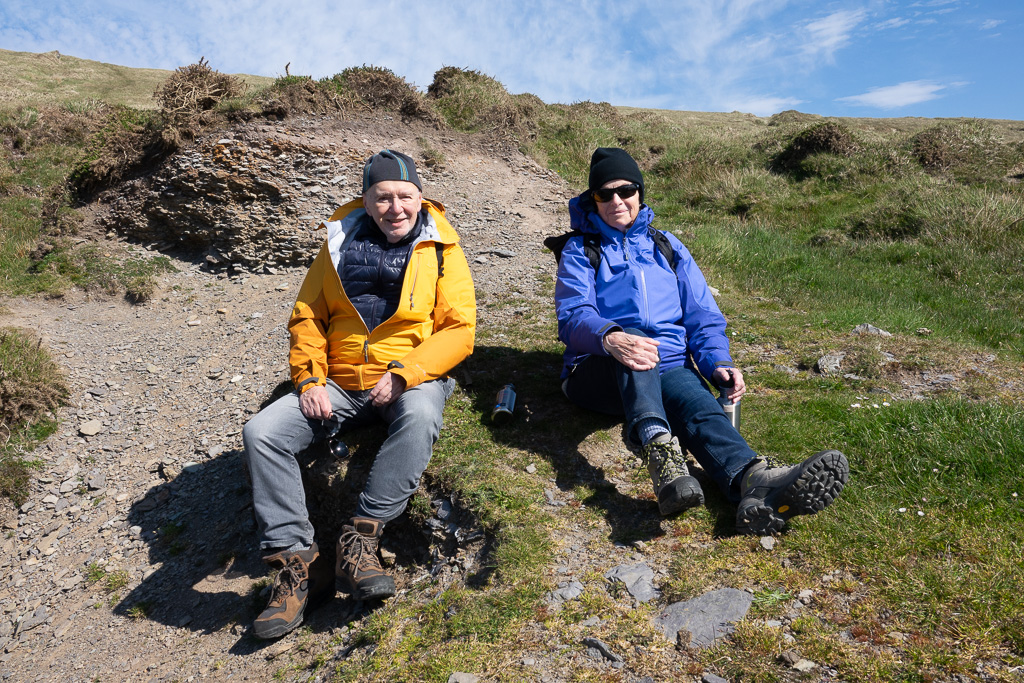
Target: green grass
(50, 78)
(31, 386)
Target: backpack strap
(664, 246)
(592, 248)
(592, 245)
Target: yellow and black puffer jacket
(430, 333)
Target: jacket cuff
(310, 382)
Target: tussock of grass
(31, 386)
(471, 101)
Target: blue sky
(877, 58)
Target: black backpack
(592, 245)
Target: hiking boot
(301, 579)
(770, 494)
(675, 488)
(358, 570)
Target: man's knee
(422, 408)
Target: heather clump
(968, 151)
(376, 88)
(826, 138)
(471, 101)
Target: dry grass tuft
(969, 151)
(30, 382)
(192, 91)
(828, 137)
(471, 101)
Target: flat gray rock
(567, 590)
(602, 648)
(831, 364)
(638, 579)
(866, 328)
(712, 678)
(706, 618)
(91, 428)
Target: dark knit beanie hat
(388, 165)
(612, 163)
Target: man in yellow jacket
(386, 311)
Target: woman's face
(618, 212)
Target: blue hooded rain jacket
(634, 286)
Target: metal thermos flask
(732, 410)
(504, 404)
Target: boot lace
(666, 461)
(288, 579)
(360, 552)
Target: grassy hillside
(808, 226)
(50, 78)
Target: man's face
(393, 206)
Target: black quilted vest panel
(371, 271)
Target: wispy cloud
(827, 35)
(896, 96)
(895, 22)
(990, 24)
(762, 106)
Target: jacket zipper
(415, 276)
(366, 350)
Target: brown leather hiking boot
(358, 570)
(302, 577)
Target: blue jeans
(678, 397)
(278, 433)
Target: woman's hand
(636, 353)
(722, 376)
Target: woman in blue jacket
(640, 328)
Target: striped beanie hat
(388, 165)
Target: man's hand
(387, 390)
(636, 353)
(721, 376)
(315, 404)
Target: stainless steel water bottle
(732, 410)
(504, 404)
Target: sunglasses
(605, 194)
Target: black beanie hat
(612, 163)
(388, 165)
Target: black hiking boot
(675, 488)
(770, 494)
(358, 570)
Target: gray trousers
(278, 433)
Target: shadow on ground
(203, 543)
(545, 422)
